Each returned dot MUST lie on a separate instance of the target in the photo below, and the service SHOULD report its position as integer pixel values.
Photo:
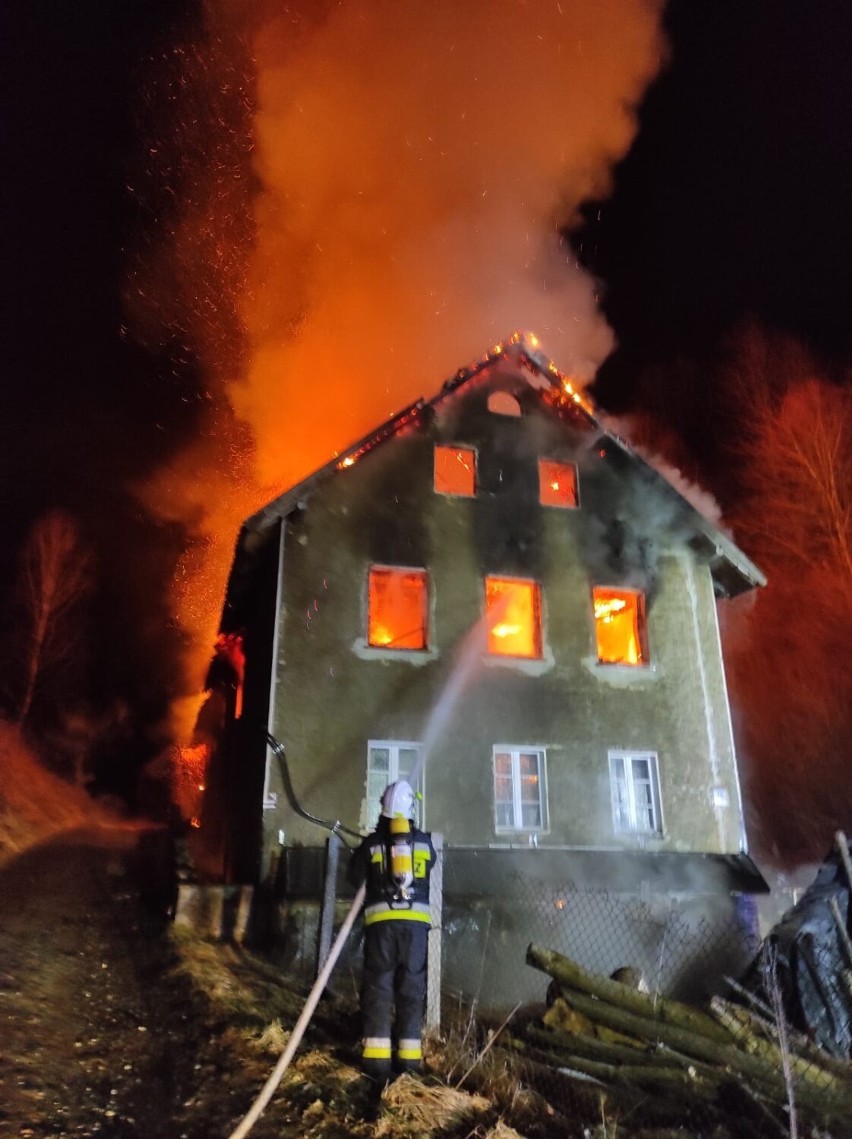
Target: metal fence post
(329, 897)
(436, 905)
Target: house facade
(496, 598)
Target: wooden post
(436, 905)
(329, 898)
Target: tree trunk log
(574, 976)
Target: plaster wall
(332, 693)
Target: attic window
(513, 608)
(557, 483)
(620, 626)
(455, 470)
(398, 608)
(501, 403)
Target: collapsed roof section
(732, 571)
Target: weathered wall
(333, 693)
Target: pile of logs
(667, 1051)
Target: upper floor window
(557, 483)
(520, 793)
(388, 761)
(635, 788)
(620, 626)
(502, 403)
(455, 470)
(513, 610)
(398, 608)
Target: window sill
(408, 656)
(632, 840)
(532, 666)
(622, 675)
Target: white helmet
(398, 801)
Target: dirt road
(89, 1043)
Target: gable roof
(732, 571)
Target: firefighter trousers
(394, 981)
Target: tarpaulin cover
(805, 961)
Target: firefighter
(396, 861)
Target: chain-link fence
(682, 945)
(698, 1032)
(672, 1044)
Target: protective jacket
(396, 921)
(372, 862)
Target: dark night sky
(733, 202)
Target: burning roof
(732, 571)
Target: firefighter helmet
(398, 800)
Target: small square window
(620, 628)
(520, 793)
(513, 610)
(455, 470)
(635, 788)
(398, 608)
(557, 483)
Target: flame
(606, 610)
(189, 768)
(619, 625)
(314, 286)
(514, 621)
(505, 630)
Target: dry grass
(413, 1107)
(34, 803)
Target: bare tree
(799, 475)
(789, 646)
(55, 576)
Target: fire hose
(268, 1089)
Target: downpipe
(268, 1090)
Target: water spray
(467, 656)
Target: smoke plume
(413, 170)
(416, 164)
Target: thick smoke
(416, 163)
(413, 168)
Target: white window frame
(630, 802)
(515, 751)
(394, 747)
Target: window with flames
(557, 484)
(398, 608)
(620, 627)
(513, 609)
(455, 470)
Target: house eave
(477, 870)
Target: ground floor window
(520, 791)
(387, 762)
(635, 787)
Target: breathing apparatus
(398, 807)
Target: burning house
(496, 597)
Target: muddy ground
(116, 1023)
(101, 1032)
(113, 1025)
